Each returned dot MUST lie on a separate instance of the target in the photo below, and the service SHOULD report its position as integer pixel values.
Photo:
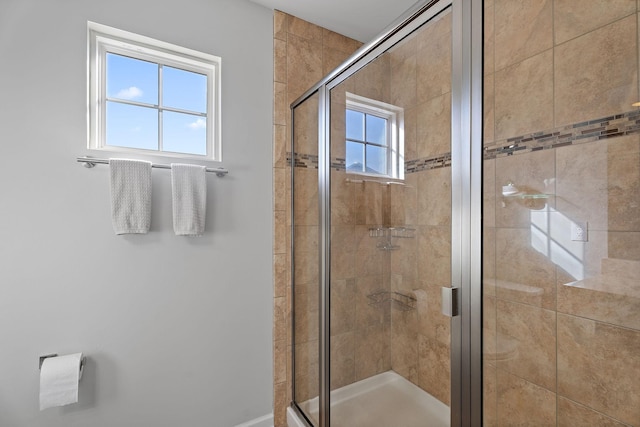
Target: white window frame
(395, 132)
(103, 39)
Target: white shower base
(384, 400)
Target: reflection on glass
(132, 79)
(131, 126)
(184, 133)
(184, 90)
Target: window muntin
(374, 144)
(151, 97)
(178, 99)
(368, 141)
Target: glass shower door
(305, 256)
(385, 228)
(390, 237)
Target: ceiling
(359, 19)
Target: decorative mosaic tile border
(338, 164)
(427, 163)
(627, 123)
(604, 128)
(410, 166)
(303, 160)
(311, 161)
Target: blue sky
(136, 126)
(369, 128)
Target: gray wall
(177, 330)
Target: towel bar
(90, 162)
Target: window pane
(355, 125)
(184, 133)
(376, 130)
(132, 79)
(184, 89)
(355, 157)
(131, 126)
(376, 160)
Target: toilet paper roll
(59, 379)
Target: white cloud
(198, 124)
(130, 93)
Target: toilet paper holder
(46, 356)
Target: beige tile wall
(366, 339)
(421, 339)
(561, 331)
(356, 207)
(303, 54)
(415, 75)
(531, 84)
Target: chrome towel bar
(90, 162)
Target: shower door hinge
(450, 302)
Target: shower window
(373, 137)
(150, 97)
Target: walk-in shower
(373, 223)
(492, 148)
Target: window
(374, 135)
(151, 97)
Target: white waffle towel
(130, 196)
(189, 190)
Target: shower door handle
(450, 301)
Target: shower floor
(384, 400)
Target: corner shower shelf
(399, 301)
(527, 196)
(384, 234)
(401, 232)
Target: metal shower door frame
(466, 189)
